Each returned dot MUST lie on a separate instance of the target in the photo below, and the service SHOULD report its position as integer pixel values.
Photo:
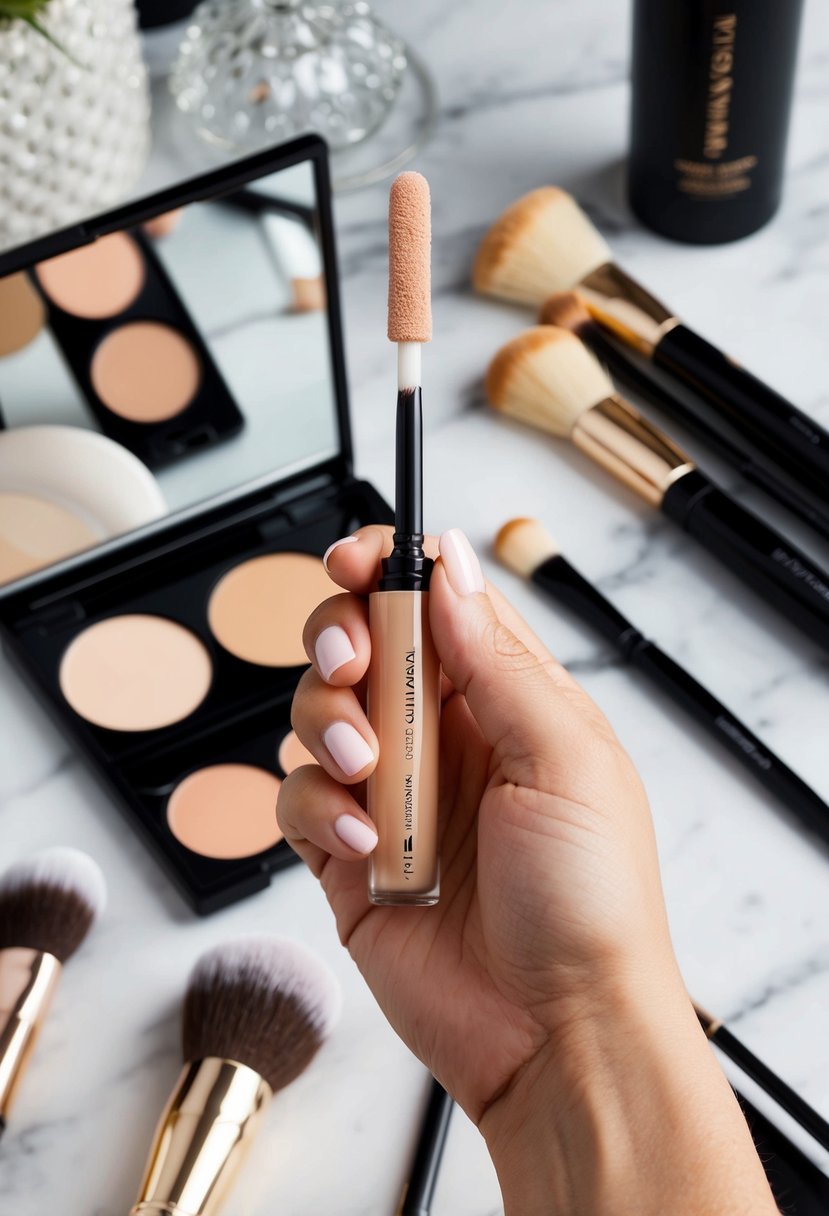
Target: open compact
(169, 645)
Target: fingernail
(461, 564)
(356, 834)
(344, 540)
(333, 649)
(348, 747)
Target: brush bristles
(523, 544)
(565, 310)
(547, 378)
(264, 1002)
(542, 243)
(410, 275)
(50, 901)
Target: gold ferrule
(619, 304)
(202, 1138)
(27, 981)
(617, 437)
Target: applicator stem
(408, 511)
(408, 365)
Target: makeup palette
(171, 654)
(128, 342)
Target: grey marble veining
(531, 92)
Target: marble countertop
(531, 92)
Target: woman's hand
(550, 939)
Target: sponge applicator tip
(410, 239)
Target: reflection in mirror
(159, 367)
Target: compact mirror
(165, 363)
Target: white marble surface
(532, 92)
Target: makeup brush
(544, 243)
(48, 904)
(548, 378)
(256, 1012)
(769, 1082)
(420, 1189)
(566, 310)
(404, 676)
(525, 547)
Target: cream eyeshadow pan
(226, 811)
(96, 280)
(135, 672)
(145, 371)
(258, 609)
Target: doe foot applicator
(404, 677)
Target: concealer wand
(404, 676)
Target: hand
(550, 886)
(551, 923)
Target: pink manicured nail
(348, 747)
(356, 834)
(345, 540)
(332, 649)
(461, 564)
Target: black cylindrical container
(712, 87)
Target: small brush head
(50, 901)
(547, 378)
(544, 242)
(566, 310)
(410, 275)
(523, 544)
(261, 1001)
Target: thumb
(519, 700)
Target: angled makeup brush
(48, 904)
(808, 1118)
(256, 1012)
(566, 309)
(420, 1189)
(548, 378)
(544, 243)
(404, 675)
(525, 547)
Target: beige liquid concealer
(404, 706)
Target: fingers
(337, 640)
(321, 819)
(354, 561)
(526, 705)
(333, 726)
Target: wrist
(625, 1110)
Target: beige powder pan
(146, 371)
(135, 672)
(97, 280)
(293, 754)
(258, 609)
(22, 315)
(226, 811)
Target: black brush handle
(799, 1187)
(637, 380)
(733, 735)
(768, 1081)
(420, 1190)
(558, 578)
(761, 557)
(791, 439)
